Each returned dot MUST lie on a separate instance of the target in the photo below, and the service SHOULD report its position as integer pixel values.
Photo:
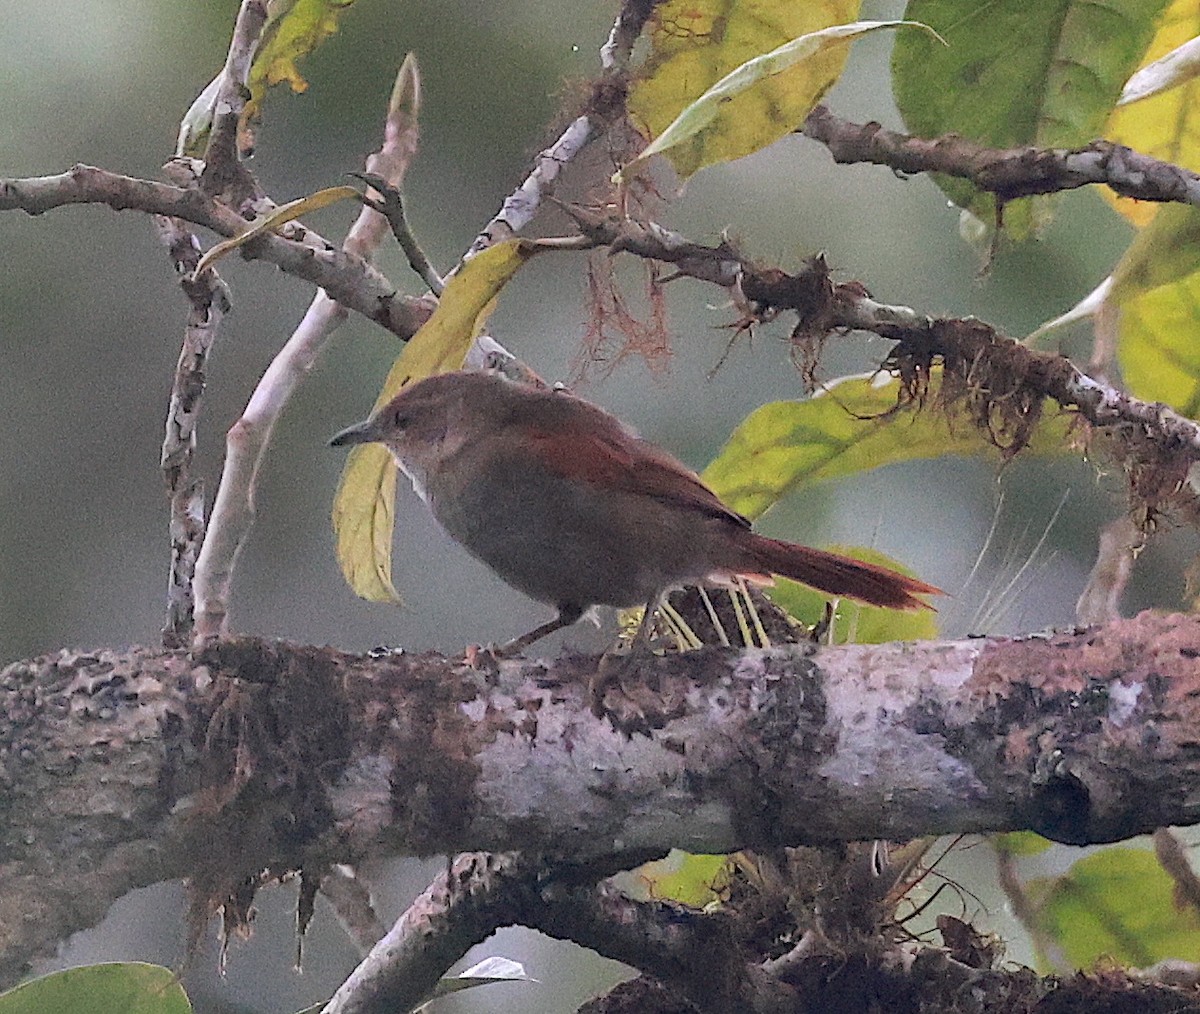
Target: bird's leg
(567, 614)
(645, 630)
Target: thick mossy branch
(1001, 384)
(126, 768)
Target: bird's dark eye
(400, 420)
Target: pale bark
(125, 768)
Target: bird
(569, 506)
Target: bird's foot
(484, 658)
(624, 689)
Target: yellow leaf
(685, 878)
(1159, 355)
(695, 43)
(1165, 125)
(364, 506)
(364, 511)
(738, 114)
(1156, 290)
(294, 29)
(268, 223)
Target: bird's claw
(483, 658)
(619, 692)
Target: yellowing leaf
(1165, 125)
(268, 223)
(857, 623)
(784, 444)
(695, 43)
(364, 511)
(1166, 250)
(1158, 351)
(739, 114)
(294, 29)
(1156, 290)
(364, 506)
(1017, 73)
(1118, 903)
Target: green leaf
(1017, 73)
(856, 622)
(695, 43)
(684, 877)
(849, 428)
(1118, 903)
(742, 112)
(1020, 843)
(124, 987)
(364, 506)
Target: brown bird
(572, 508)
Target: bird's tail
(839, 575)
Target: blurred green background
(91, 320)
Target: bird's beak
(359, 433)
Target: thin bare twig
(1100, 601)
(391, 207)
(233, 511)
(1173, 858)
(1027, 914)
(208, 299)
(522, 204)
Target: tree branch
(607, 101)
(346, 277)
(224, 175)
(125, 768)
(247, 439)
(208, 299)
(1002, 382)
(1008, 173)
(464, 905)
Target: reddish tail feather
(840, 575)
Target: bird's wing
(607, 455)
